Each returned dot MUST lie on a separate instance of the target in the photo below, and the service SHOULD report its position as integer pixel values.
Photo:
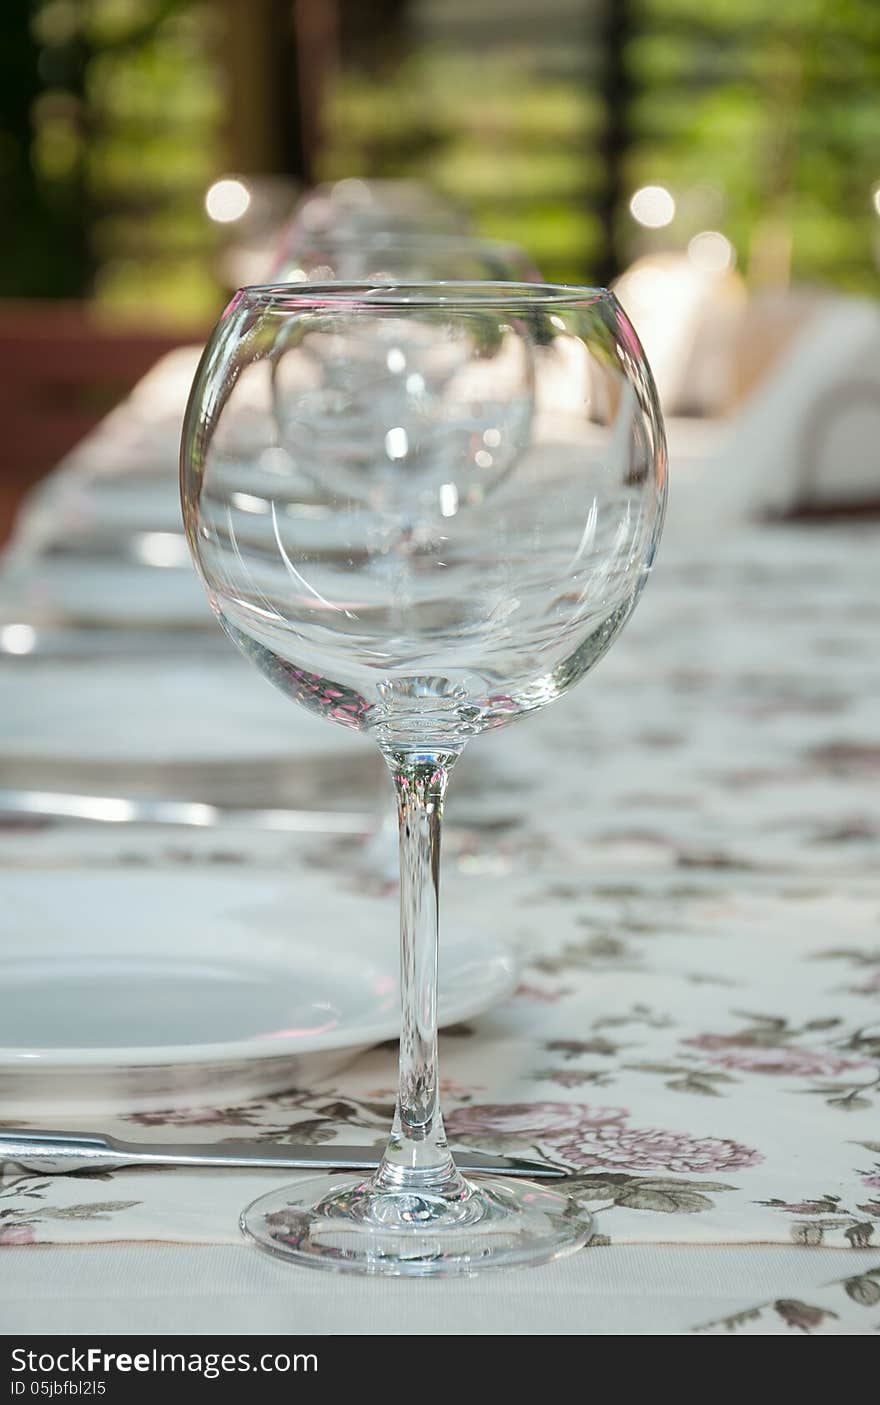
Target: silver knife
(115, 809)
(83, 639)
(54, 1153)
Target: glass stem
(417, 1156)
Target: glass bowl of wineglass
(423, 511)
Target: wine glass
(493, 523)
(393, 256)
(364, 207)
(402, 256)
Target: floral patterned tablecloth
(684, 857)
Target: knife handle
(55, 1152)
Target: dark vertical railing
(316, 26)
(614, 32)
(44, 248)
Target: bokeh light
(18, 638)
(227, 200)
(711, 251)
(652, 206)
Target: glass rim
(444, 295)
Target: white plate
(158, 711)
(96, 592)
(131, 991)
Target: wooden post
(614, 32)
(316, 30)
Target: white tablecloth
(688, 876)
(657, 1290)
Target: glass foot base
(349, 1225)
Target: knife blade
(55, 1153)
(115, 809)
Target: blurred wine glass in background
(355, 206)
(394, 255)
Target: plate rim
(118, 1058)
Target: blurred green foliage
(110, 132)
(492, 131)
(762, 119)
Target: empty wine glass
(401, 256)
(406, 256)
(363, 207)
(488, 533)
